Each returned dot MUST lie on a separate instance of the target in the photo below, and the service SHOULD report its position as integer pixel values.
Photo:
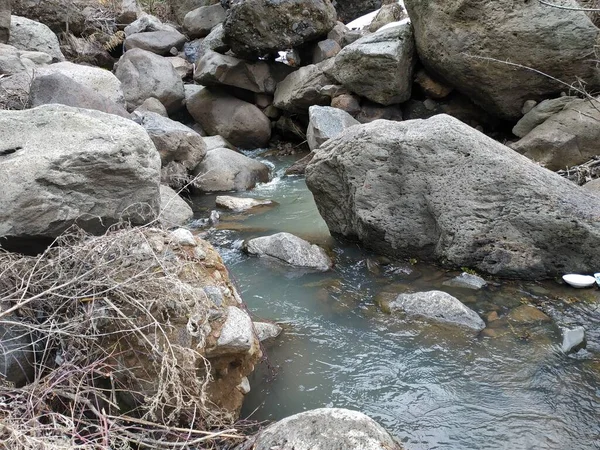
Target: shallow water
(431, 387)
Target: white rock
(244, 386)
(239, 203)
(572, 338)
(237, 335)
(183, 237)
(266, 330)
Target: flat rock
(159, 42)
(144, 74)
(225, 170)
(439, 190)
(240, 203)
(439, 307)
(527, 314)
(290, 249)
(325, 123)
(52, 177)
(379, 66)
(323, 429)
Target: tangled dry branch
(100, 314)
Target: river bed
(432, 387)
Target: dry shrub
(94, 304)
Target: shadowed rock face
(451, 34)
(348, 10)
(440, 191)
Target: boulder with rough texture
(61, 165)
(58, 88)
(437, 306)
(181, 7)
(323, 429)
(255, 28)
(146, 24)
(240, 203)
(303, 88)
(441, 191)
(539, 113)
(348, 10)
(378, 66)
(237, 334)
(26, 34)
(144, 74)
(5, 12)
(240, 122)
(159, 42)
(225, 170)
(291, 250)
(101, 81)
(198, 22)
(325, 123)
(324, 50)
(567, 138)
(260, 76)
(56, 14)
(183, 67)
(451, 35)
(174, 211)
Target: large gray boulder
(255, 28)
(437, 306)
(144, 74)
(323, 429)
(226, 170)
(441, 191)
(568, 138)
(291, 250)
(174, 211)
(61, 165)
(326, 123)
(239, 122)
(5, 12)
(303, 88)
(58, 88)
(379, 66)
(26, 34)
(452, 34)
(198, 22)
(159, 42)
(102, 81)
(262, 77)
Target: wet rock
(466, 280)
(60, 89)
(492, 316)
(237, 335)
(146, 24)
(225, 170)
(325, 428)
(303, 88)
(159, 42)
(539, 113)
(493, 211)
(266, 330)
(573, 339)
(449, 36)
(26, 34)
(144, 74)
(527, 314)
(100, 80)
(290, 249)
(325, 123)
(432, 88)
(437, 306)
(379, 66)
(566, 139)
(174, 211)
(240, 122)
(240, 203)
(53, 178)
(255, 28)
(200, 21)
(261, 76)
(5, 11)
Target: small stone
(527, 314)
(491, 317)
(528, 106)
(266, 330)
(467, 281)
(244, 386)
(573, 339)
(183, 237)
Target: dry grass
(106, 314)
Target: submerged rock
(240, 203)
(439, 190)
(573, 339)
(466, 280)
(266, 330)
(290, 249)
(437, 306)
(527, 314)
(323, 429)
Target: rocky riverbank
(425, 143)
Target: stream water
(509, 387)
